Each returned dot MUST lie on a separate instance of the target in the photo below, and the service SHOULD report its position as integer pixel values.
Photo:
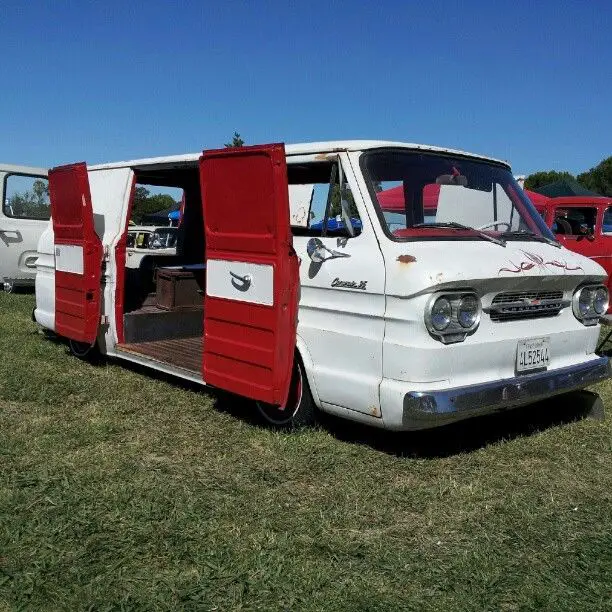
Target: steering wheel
(494, 224)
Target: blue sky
(530, 82)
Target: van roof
(23, 169)
(299, 149)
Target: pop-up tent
(392, 200)
(565, 188)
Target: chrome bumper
(424, 409)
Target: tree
(31, 204)
(539, 179)
(236, 141)
(599, 178)
(146, 204)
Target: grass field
(122, 491)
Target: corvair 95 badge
(349, 284)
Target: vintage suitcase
(180, 288)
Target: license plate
(533, 354)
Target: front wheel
(300, 408)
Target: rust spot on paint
(325, 157)
(374, 410)
(406, 259)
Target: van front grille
(518, 305)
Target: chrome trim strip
(432, 408)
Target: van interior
(163, 299)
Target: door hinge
(104, 320)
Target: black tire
(300, 410)
(82, 350)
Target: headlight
(441, 313)
(451, 316)
(585, 299)
(589, 303)
(600, 301)
(468, 311)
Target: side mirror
(316, 250)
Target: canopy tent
(565, 187)
(162, 217)
(392, 200)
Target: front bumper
(423, 409)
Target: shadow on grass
(462, 437)
(471, 434)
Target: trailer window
(26, 197)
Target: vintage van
(24, 215)
(400, 285)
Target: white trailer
(24, 215)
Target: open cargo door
(252, 275)
(78, 254)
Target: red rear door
(252, 276)
(78, 254)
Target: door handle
(242, 283)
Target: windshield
(423, 196)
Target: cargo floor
(185, 353)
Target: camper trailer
(23, 217)
(400, 285)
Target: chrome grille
(518, 305)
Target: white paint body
(363, 350)
(18, 236)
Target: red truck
(583, 224)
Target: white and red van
(400, 285)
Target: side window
(26, 197)
(315, 200)
(575, 221)
(606, 227)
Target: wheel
(9, 287)
(81, 350)
(300, 409)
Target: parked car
(449, 299)
(143, 240)
(24, 215)
(583, 225)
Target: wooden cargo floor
(185, 353)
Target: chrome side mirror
(316, 250)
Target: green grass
(121, 491)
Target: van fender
(308, 364)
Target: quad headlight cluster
(450, 317)
(589, 303)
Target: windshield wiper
(460, 226)
(534, 236)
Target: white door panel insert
(240, 281)
(69, 258)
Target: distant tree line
(597, 179)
